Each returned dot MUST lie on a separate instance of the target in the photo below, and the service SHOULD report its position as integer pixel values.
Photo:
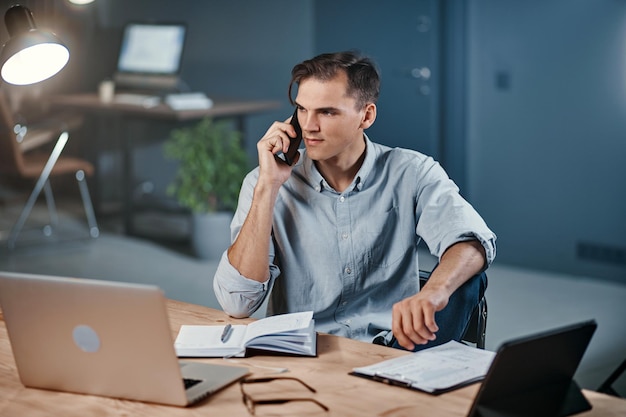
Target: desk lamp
(30, 55)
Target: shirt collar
(319, 183)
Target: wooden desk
(221, 107)
(122, 113)
(345, 395)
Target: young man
(337, 233)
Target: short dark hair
(363, 76)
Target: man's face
(332, 127)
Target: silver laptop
(101, 338)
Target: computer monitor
(150, 55)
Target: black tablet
(533, 375)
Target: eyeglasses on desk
(252, 403)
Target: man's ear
(369, 116)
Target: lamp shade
(30, 55)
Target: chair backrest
(607, 387)
(11, 159)
(477, 327)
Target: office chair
(22, 156)
(607, 386)
(476, 331)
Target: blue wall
(547, 131)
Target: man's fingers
(403, 339)
(280, 144)
(278, 137)
(409, 332)
(429, 321)
(414, 323)
(420, 327)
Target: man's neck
(339, 173)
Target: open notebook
(102, 338)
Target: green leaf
(212, 165)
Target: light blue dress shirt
(350, 256)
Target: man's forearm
(458, 264)
(249, 253)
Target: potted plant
(211, 167)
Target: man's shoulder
(397, 154)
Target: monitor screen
(152, 48)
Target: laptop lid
(102, 338)
(533, 375)
(150, 55)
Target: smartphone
(294, 143)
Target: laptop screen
(152, 48)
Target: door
(402, 37)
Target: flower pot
(210, 234)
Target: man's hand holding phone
(291, 156)
(271, 149)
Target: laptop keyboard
(190, 382)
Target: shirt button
(342, 199)
(318, 188)
(345, 303)
(344, 235)
(348, 271)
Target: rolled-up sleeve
(239, 296)
(444, 217)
